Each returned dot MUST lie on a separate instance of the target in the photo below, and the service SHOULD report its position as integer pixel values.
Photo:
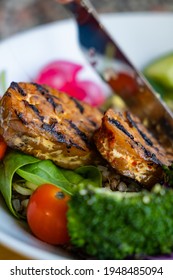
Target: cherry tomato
(46, 214)
(3, 147)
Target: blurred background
(20, 15)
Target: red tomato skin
(3, 147)
(46, 214)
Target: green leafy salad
(22, 174)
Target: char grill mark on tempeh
(92, 123)
(41, 88)
(46, 94)
(120, 127)
(21, 117)
(126, 144)
(51, 129)
(59, 136)
(81, 134)
(51, 101)
(16, 86)
(54, 125)
(133, 123)
(78, 104)
(34, 109)
(147, 153)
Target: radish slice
(62, 75)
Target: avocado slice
(160, 71)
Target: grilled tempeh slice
(48, 124)
(127, 145)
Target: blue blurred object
(104, 54)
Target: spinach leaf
(12, 161)
(43, 171)
(84, 176)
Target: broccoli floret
(115, 225)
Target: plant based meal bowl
(137, 34)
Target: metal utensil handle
(142, 101)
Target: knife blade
(107, 58)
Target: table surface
(20, 15)
(7, 254)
